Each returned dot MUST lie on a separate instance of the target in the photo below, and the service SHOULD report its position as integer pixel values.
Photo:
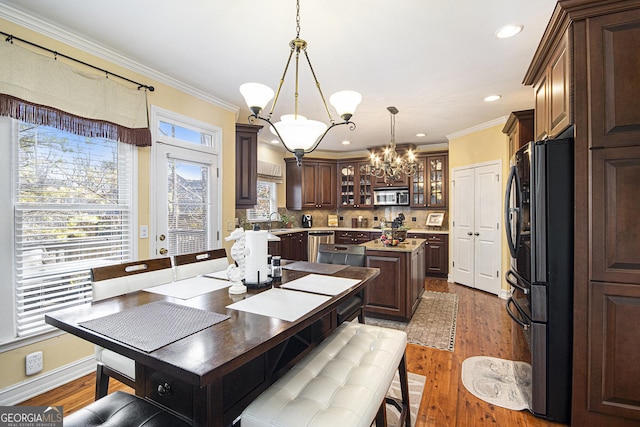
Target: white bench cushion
(342, 382)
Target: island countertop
(409, 245)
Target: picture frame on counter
(435, 219)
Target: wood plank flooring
(483, 328)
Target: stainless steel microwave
(391, 196)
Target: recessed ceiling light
(346, 142)
(508, 31)
(492, 98)
(421, 134)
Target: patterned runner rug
(432, 325)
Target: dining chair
(356, 255)
(113, 280)
(195, 264)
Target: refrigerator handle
(515, 318)
(515, 283)
(509, 211)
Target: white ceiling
(434, 60)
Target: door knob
(476, 234)
(469, 233)
(163, 251)
(161, 237)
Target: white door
(477, 250)
(185, 209)
(462, 248)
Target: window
(71, 209)
(266, 202)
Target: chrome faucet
(269, 225)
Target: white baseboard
(32, 387)
(505, 294)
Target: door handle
(163, 251)
(469, 233)
(476, 234)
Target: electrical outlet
(144, 231)
(33, 363)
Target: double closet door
(476, 220)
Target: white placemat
(320, 284)
(222, 274)
(280, 303)
(191, 287)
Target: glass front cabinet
(429, 185)
(356, 189)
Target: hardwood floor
(483, 328)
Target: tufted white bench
(342, 382)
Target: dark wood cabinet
(246, 164)
(355, 186)
(292, 246)
(436, 253)
(403, 181)
(519, 129)
(352, 237)
(312, 185)
(396, 292)
(601, 59)
(552, 91)
(429, 185)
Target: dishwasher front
(315, 238)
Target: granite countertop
(409, 245)
(279, 231)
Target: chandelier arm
(324, 101)
(284, 74)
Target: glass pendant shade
(346, 102)
(298, 132)
(256, 95)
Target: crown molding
(499, 121)
(49, 30)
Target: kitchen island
(396, 292)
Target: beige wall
(64, 349)
(482, 146)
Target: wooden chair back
(195, 264)
(118, 279)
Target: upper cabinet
(355, 186)
(519, 129)
(428, 187)
(552, 89)
(246, 164)
(312, 185)
(403, 181)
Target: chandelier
(297, 134)
(392, 165)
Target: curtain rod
(10, 38)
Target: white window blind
(72, 201)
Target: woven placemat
(152, 326)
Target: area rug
(432, 325)
(503, 383)
(416, 387)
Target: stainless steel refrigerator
(539, 226)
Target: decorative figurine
(239, 253)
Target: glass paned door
(186, 191)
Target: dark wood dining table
(209, 377)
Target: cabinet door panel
(542, 113)
(309, 185)
(614, 371)
(615, 227)
(326, 185)
(614, 64)
(559, 90)
(386, 294)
